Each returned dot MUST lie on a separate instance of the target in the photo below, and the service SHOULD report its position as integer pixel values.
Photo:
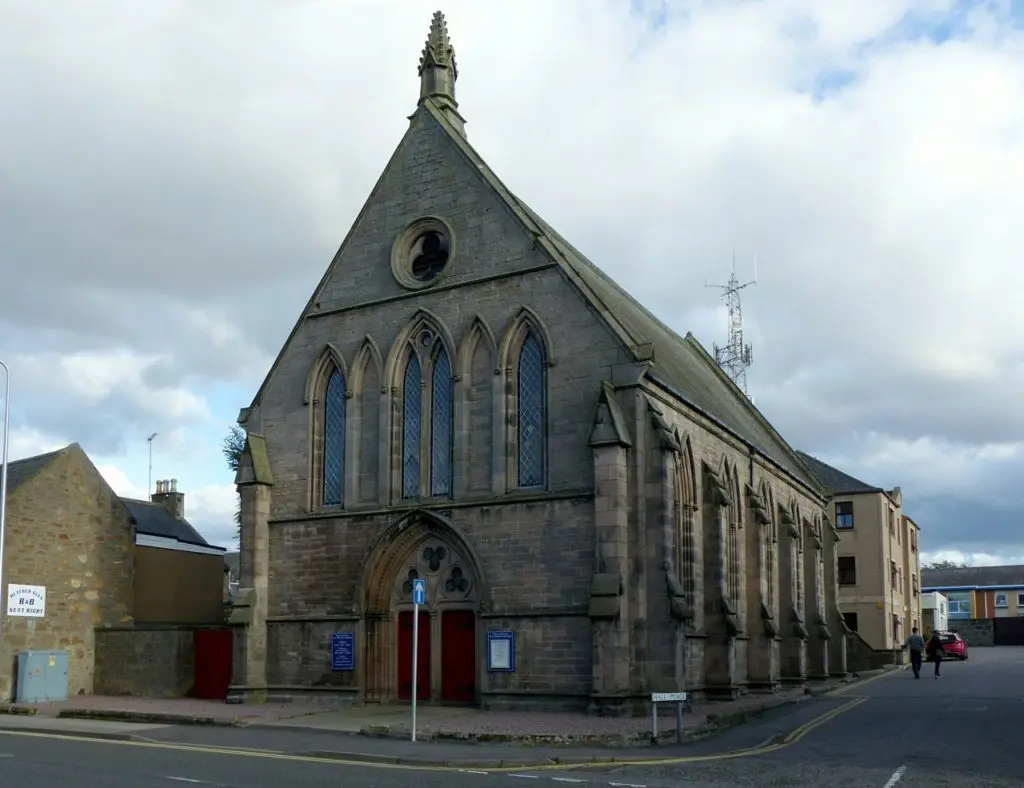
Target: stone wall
(861, 657)
(67, 531)
(155, 662)
(976, 631)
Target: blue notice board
(501, 651)
(343, 651)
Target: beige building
(879, 562)
(595, 509)
(106, 563)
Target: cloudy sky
(175, 176)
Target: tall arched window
(412, 423)
(441, 425)
(428, 423)
(334, 440)
(530, 402)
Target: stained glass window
(334, 439)
(531, 398)
(441, 427)
(412, 412)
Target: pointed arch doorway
(422, 546)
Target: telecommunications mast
(735, 356)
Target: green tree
(233, 448)
(945, 565)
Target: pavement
(888, 732)
(435, 723)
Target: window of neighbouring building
(1002, 600)
(847, 570)
(960, 606)
(844, 515)
(1020, 599)
(851, 620)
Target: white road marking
(186, 780)
(567, 780)
(896, 777)
(527, 776)
(627, 785)
(472, 771)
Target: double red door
(458, 656)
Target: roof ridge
(839, 472)
(577, 267)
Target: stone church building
(598, 512)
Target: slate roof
(978, 576)
(154, 520)
(20, 471)
(835, 481)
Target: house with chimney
(91, 562)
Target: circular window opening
(422, 253)
(430, 254)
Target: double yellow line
(792, 738)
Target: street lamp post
(3, 490)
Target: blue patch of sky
(656, 12)
(936, 28)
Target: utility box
(42, 676)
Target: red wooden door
(214, 654)
(458, 656)
(405, 657)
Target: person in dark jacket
(916, 645)
(934, 651)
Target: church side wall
(672, 658)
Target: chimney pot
(174, 485)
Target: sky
(177, 174)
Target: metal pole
(415, 662)
(679, 722)
(149, 480)
(3, 492)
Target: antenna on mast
(735, 356)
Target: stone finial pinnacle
(438, 71)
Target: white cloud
(28, 442)
(972, 559)
(211, 509)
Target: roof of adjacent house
(153, 519)
(148, 518)
(836, 481)
(20, 471)
(973, 577)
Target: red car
(952, 646)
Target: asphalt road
(962, 730)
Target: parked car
(952, 646)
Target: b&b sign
(26, 601)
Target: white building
(935, 612)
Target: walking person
(933, 648)
(916, 645)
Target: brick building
(106, 563)
(466, 399)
